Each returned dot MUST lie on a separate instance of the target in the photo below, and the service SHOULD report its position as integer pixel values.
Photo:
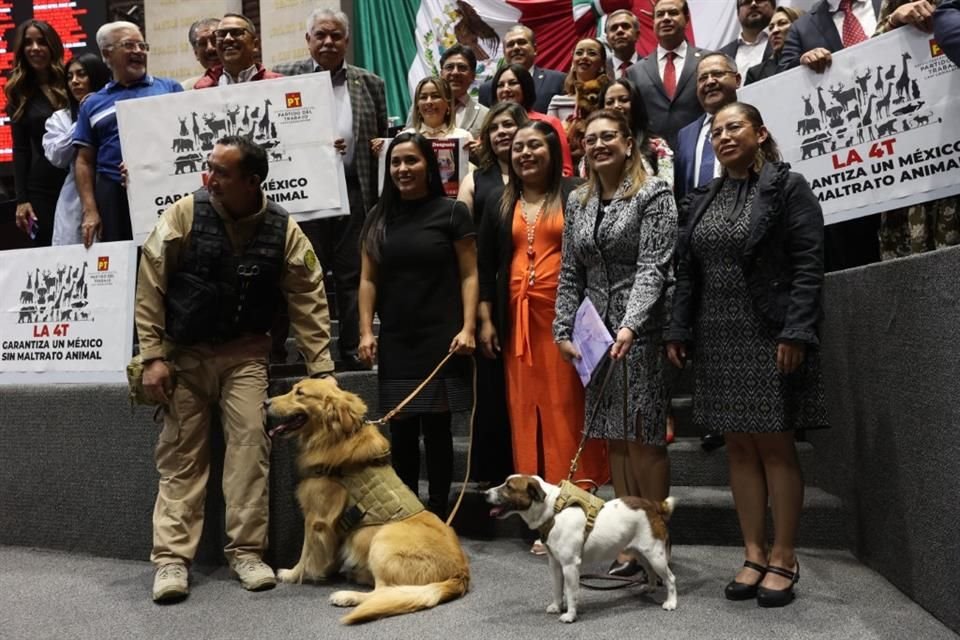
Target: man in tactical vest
(214, 271)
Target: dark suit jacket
(495, 252)
(668, 117)
(812, 31)
(766, 69)
(685, 158)
(369, 102)
(782, 259)
(946, 28)
(547, 82)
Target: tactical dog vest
(573, 496)
(376, 495)
(218, 295)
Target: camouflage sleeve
(161, 254)
(302, 286)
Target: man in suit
(621, 31)
(946, 27)
(815, 36)
(752, 46)
(361, 115)
(694, 163)
(666, 77)
(520, 47)
(830, 26)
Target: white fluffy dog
(629, 524)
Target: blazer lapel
(702, 205)
(652, 67)
(823, 20)
(690, 63)
(355, 90)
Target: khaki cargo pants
(233, 375)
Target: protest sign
(67, 313)
(166, 140)
(452, 156)
(875, 131)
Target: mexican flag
(402, 40)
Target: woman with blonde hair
(618, 244)
(37, 87)
(434, 113)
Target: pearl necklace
(531, 231)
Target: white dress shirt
(681, 56)
(751, 54)
(617, 62)
(702, 140)
(862, 9)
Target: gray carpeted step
(703, 515)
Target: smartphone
(34, 229)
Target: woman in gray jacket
(618, 243)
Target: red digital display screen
(76, 22)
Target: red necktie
(852, 29)
(623, 69)
(670, 75)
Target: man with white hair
(361, 116)
(106, 212)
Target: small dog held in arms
(628, 524)
(359, 518)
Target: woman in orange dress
(520, 243)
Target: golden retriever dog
(414, 563)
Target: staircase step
(703, 515)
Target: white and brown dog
(634, 525)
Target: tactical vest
(573, 496)
(218, 295)
(376, 495)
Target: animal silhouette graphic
(878, 85)
(821, 103)
(862, 83)
(196, 128)
(915, 89)
(216, 125)
(843, 96)
(903, 83)
(245, 123)
(891, 72)
(232, 117)
(183, 127)
(808, 125)
(887, 128)
(883, 104)
(807, 108)
(263, 127)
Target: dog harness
(376, 495)
(573, 496)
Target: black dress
(37, 181)
(736, 383)
(420, 306)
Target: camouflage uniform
(922, 227)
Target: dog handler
(215, 270)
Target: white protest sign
(166, 140)
(878, 131)
(453, 160)
(66, 313)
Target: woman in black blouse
(419, 273)
(37, 87)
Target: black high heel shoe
(742, 591)
(779, 597)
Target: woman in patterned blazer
(618, 243)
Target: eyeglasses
(747, 3)
(713, 75)
(731, 128)
(235, 33)
(131, 45)
(607, 137)
(454, 66)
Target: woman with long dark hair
(37, 87)
(622, 95)
(419, 273)
(748, 302)
(520, 247)
(513, 83)
(86, 75)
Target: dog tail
(391, 601)
(665, 508)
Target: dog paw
(553, 607)
(670, 605)
(568, 617)
(344, 599)
(288, 575)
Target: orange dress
(540, 384)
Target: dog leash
(473, 412)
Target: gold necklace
(531, 234)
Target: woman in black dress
(749, 279)
(37, 87)
(419, 273)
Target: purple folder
(591, 338)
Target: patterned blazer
(369, 102)
(625, 266)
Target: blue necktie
(706, 161)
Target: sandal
(742, 591)
(538, 548)
(779, 597)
